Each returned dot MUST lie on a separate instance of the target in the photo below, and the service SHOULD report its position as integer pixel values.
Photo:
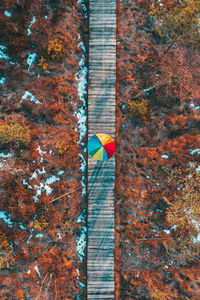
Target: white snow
(60, 172)
(5, 155)
(194, 106)
(41, 172)
(22, 226)
(165, 156)
(198, 169)
(2, 80)
(31, 99)
(59, 235)
(7, 13)
(166, 231)
(26, 183)
(174, 227)
(195, 151)
(138, 274)
(3, 55)
(39, 235)
(81, 284)
(41, 152)
(83, 165)
(43, 186)
(29, 28)
(84, 188)
(82, 118)
(81, 243)
(52, 179)
(83, 6)
(7, 219)
(37, 270)
(30, 59)
(34, 175)
(81, 217)
(81, 77)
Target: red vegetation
(43, 260)
(146, 149)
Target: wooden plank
(101, 175)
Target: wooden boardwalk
(101, 175)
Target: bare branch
(53, 200)
(149, 89)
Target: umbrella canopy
(101, 146)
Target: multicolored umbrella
(101, 146)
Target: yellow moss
(68, 224)
(6, 257)
(43, 63)
(55, 47)
(62, 147)
(19, 294)
(14, 132)
(39, 223)
(172, 17)
(158, 295)
(184, 212)
(139, 108)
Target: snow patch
(31, 99)
(165, 156)
(60, 172)
(198, 169)
(7, 13)
(195, 151)
(37, 270)
(41, 152)
(39, 235)
(22, 226)
(81, 243)
(2, 80)
(83, 165)
(29, 28)
(81, 77)
(41, 172)
(7, 219)
(30, 59)
(81, 217)
(166, 231)
(2, 54)
(194, 106)
(82, 2)
(5, 155)
(59, 235)
(52, 179)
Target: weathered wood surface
(101, 175)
